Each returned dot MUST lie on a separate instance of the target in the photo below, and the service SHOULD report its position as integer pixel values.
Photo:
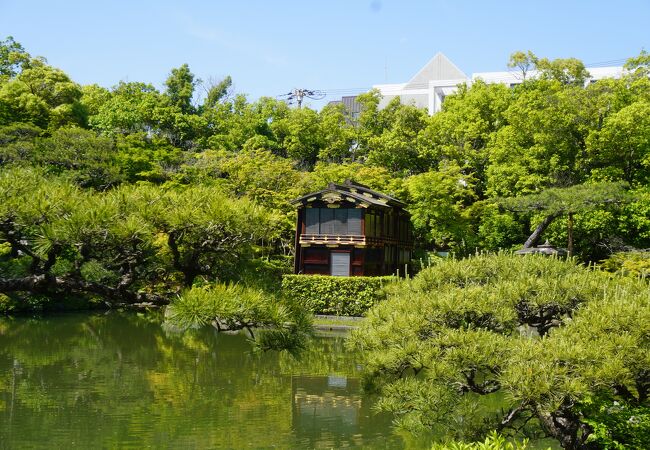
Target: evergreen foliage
(279, 325)
(493, 442)
(540, 334)
(634, 264)
(131, 244)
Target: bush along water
(271, 323)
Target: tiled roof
(355, 192)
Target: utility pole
(298, 95)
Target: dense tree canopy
(453, 169)
(547, 337)
(59, 236)
(555, 130)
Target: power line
(613, 62)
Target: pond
(121, 380)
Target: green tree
(622, 146)
(44, 96)
(180, 129)
(127, 245)
(231, 124)
(396, 147)
(300, 136)
(130, 109)
(555, 202)
(338, 135)
(639, 65)
(13, 58)
(206, 232)
(438, 206)
(258, 174)
(507, 343)
(143, 158)
(93, 98)
(218, 92)
(180, 88)
(542, 143)
(565, 70)
(66, 242)
(372, 121)
(17, 142)
(89, 159)
(524, 61)
(462, 131)
(280, 325)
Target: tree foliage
(180, 88)
(285, 325)
(541, 334)
(13, 58)
(554, 130)
(129, 245)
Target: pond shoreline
(336, 323)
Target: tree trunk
(189, 275)
(570, 233)
(49, 285)
(534, 237)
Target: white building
(440, 77)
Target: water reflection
(121, 381)
(329, 411)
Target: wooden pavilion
(351, 230)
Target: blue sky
(270, 47)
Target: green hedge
(342, 296)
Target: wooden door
(340, 264)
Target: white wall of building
(440, 77)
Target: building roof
(438, 68)
(351, 191)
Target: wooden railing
(332, 239)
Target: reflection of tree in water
(325, 357)
(120, 380)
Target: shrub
(6, 304)
(342, 296)
(494, 441)
(635, 264)
(279, 325)
(616, 424)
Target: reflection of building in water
(317, 400)
(330, 411)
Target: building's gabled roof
(438, 68)
(353, 192)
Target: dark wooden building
(349, 229)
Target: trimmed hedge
(341, 296)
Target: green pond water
(121, 380)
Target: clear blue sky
(272, 46)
